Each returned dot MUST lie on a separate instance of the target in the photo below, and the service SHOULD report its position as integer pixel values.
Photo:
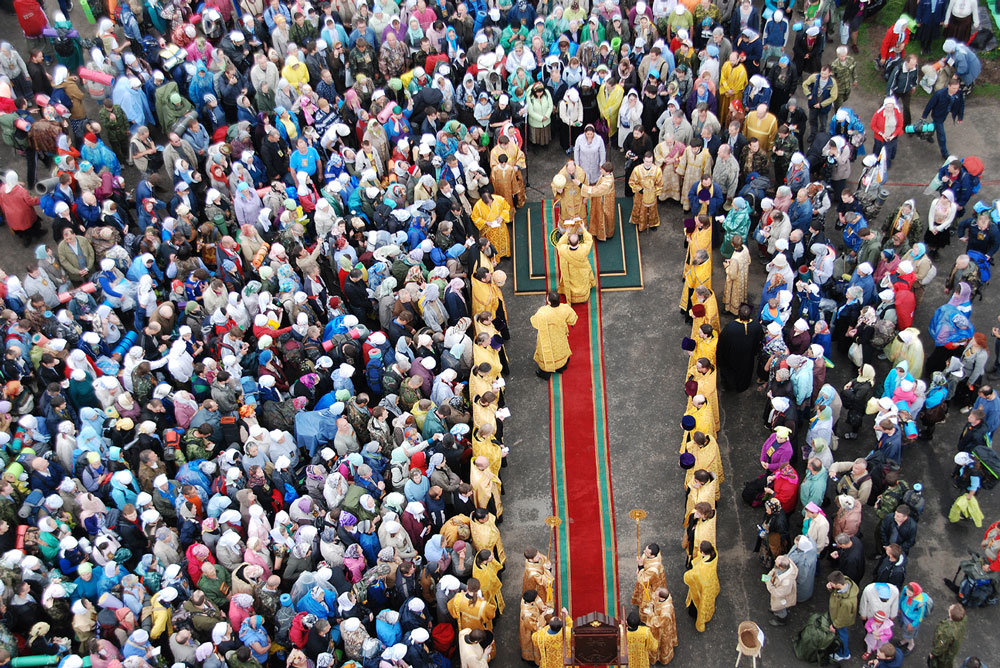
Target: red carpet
(581, 473)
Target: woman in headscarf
(862, 333)
(939, 221)
(19, 209)
(950, 328)
(820, 426)
(855, 396)
(846, 317)
(973, 359)
(454, 300)
(432, 310)
(629, 117)
(737, 223)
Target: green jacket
(947, 638)
(871, 249)
(217, 589)
(509, 37)
(845, 73)
(844, 606)
(197, 447)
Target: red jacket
(18, 208)
(889, 41)
(878, 124)
(905, 304)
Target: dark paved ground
(642, 332)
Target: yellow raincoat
(609, 101)
(295, 72)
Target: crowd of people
(254, 384)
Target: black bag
(63, 43)
(915, 500)
(753, 491)
(990, 462)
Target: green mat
(619, 258)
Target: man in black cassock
(739, 345)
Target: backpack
(171, 444)
(298, 634)
(890, 499)
(885, 331)
(63, 43)
(915, 500)
(48, 204)
(989, 460)
(293, 356)
(11, 135)
(815, 641)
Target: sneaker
(840, 659)
(965, 410)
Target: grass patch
(891, 11)
(870, 40)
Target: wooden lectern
(598, 640)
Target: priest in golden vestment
(485, 485)
(651, 575)
(642, 643)
(534, 616)
(704, 310)
(486, 444)
(470, 609)
(763, 125)
(705, 450)
(703, 488)
(698, 273)
(697, 417)
(504, 146)
(508, 182)
(486, 296)
(567, 187)
(698, 235)
(702, 580)
(659, 616)
(601, 199)
(704, 383)
(537, 574)
(695, 164)
(576, 273)
(737, 274)
(552, 343)
(484, 353)
(485, 535)
(471, 651)
(490, 216)
(486, 569)
(552, 643)
(646, 182)
(701, 527)
(706, 345)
